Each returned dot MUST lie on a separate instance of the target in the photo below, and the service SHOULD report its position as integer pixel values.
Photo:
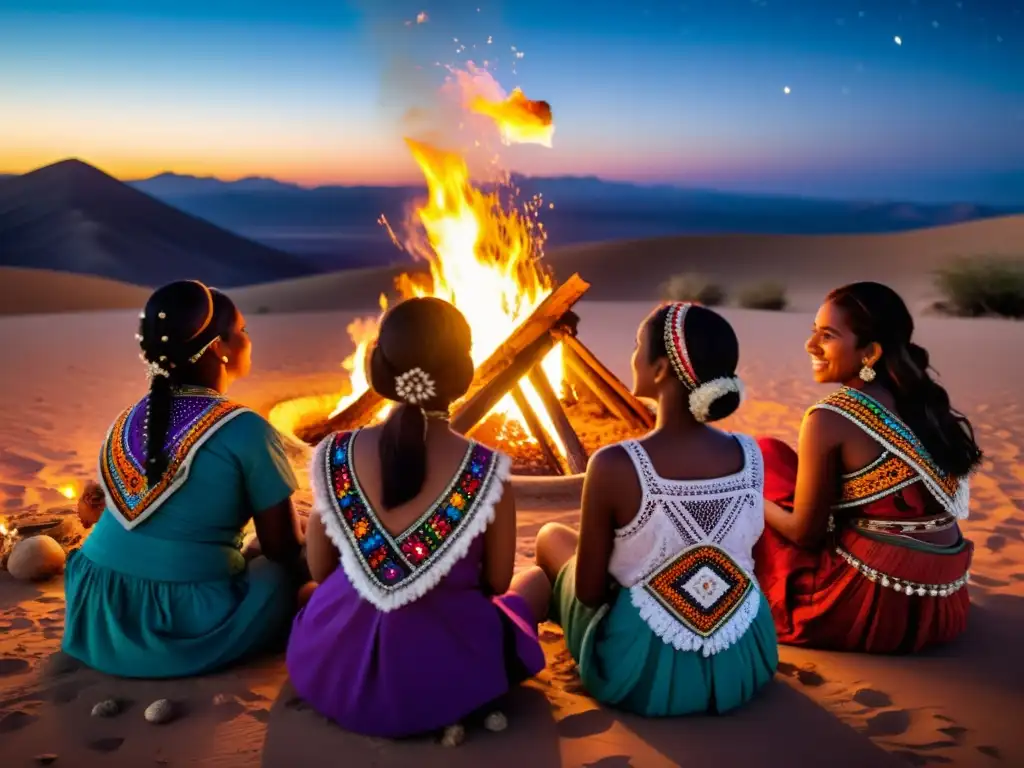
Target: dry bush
(693, 287)
(983, 285)
(765, 295)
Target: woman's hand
(91, 503)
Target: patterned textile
(701, 587)
(392, 570)
(905, 461)
(195, 417)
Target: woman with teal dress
(657, 595)
(160, 587)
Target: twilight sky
(686, 92)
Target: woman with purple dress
(417, 621)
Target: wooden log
(359, 413)
(554, 459)
(472, 410)
(575, 454)
(605, 385)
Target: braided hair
(176, 330)
(422, 361)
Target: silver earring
(867, 373)
(224, 359)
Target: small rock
(453, 736)
(496, 722)
(160, 711)
(47, 759)
(106, 708)
(36, 558)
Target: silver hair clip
(201, 352)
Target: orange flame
(483, 256)
(520, 120)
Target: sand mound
(43, 291)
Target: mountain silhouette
(72, 217)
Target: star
(786, 90)
(898, 40)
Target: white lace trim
(673, 632)
(424, 579)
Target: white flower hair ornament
(154, 369)
(415, 386)
(702, 398)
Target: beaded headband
(675, 344)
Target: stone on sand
(160, 711)
(36, 558)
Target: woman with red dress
(862, 549)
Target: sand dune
(809, 265)
(634, 270)
(952, 706)
(43, 291)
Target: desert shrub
(984, 285)
(765, 295)
(693, 287)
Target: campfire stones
(453, 735)
(36, 559)
(107, 708)
(159, 712)
(496, 722)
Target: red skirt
(819, 600)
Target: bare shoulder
(611, 466)
(826, 427)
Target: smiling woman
(863, 550)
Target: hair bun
(707, 394)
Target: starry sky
(916, 99)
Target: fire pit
(538, 393)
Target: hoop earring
(867, 373)
(224, 359)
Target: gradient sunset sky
(691, 92)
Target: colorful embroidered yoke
(195, 416)
(392, 571)
(905, 460)
(687, 556)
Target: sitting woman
(160, 588)
(680, 626)
(863, 551)
(423, 623)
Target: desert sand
(808, 266)
(958, 705)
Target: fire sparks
(482, 252)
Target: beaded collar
(389, 570)
(905, 461)
(196, 414)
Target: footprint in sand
(110, 744)
(10, 666)
(894, 722)
(15, 721)
(805, 676)
(868, 697)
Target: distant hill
(72, 217)
(338, 225)
(42, 291)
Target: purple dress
(401, 639)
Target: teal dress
(170, 595)
(692, 633)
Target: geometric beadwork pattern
(890, 431)
(123, 461)
(885, 475)
(701, 587)
(393, 561)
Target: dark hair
(876, 313)
(180, 320)
(712, 346)
(432, 335)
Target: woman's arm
(500, 544)
(280, 534)
(321, 554)
(609, 476)
(816, 482)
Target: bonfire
(484, 251)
